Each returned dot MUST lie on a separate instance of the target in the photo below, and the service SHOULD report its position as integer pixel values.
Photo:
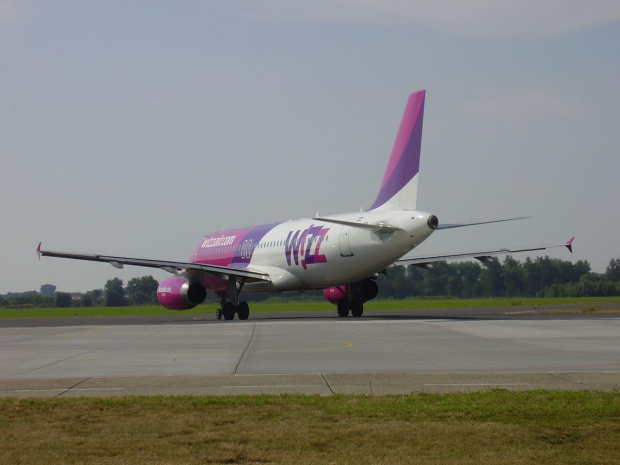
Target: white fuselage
(316, 253)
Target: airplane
(341, 254)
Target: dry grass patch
(497, 427)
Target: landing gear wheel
(243, 311)
(218, 313)
(343, 309)
(357, 309)
(228, 311)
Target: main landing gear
(229, 309)
(356, 295)
(345, 306)
(230, 302)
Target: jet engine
(177, 293)
(335, 294)
(366, 290)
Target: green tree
(414, 280)
(392, 283)
(86, 300)
(97, 296)
(469, 275)
(542, 276)
(612, 273)
(436, 280)
(492, 278)
(63, 299)
(513, 277)
(29, 300)
(115, 294)
(593, 285)
(455, 286)
(142, 291)
(48, 290)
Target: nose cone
(432, 222)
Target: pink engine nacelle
(335, 294)
(365, 290)
(177, 293)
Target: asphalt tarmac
(384, 352)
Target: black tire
(243, 312)
(343, 309)
(229, 311)
(357, 309)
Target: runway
(399, 352)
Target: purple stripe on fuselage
(243, 254)
(404, 161)
(234, 247)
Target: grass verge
(283, 305)
(496, 427)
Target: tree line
(139, 291)
(541, 277)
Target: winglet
(569, 244)
(39, 251)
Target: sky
(136, 128)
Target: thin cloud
(8, 11)
(524, 104)
(476, 18)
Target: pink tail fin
(399, 189)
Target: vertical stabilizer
(399, 189)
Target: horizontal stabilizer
(462, 225)
(380, 228)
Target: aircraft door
(345, 248)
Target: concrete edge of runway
(524, 312)
(311, 384)
(326, 383)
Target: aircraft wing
(425, 261)
(172, 267)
